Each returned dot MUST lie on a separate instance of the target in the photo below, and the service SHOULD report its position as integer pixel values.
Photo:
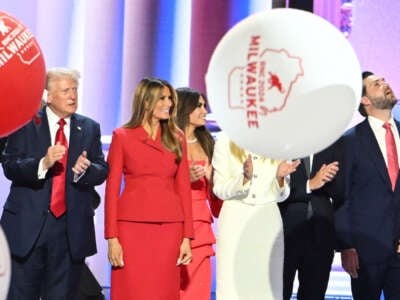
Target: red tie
(57, 203)
(391, 152)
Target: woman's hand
(196, 171)
(208, 172)
(115, 253)
(285, 168)
(185, 253)
(247, 169)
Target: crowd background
(114, 43)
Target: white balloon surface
(284, 83)
(5, 266)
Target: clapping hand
(325, 174)
(82, 164)
(247, 169)
(196, 171)
(54, 153)
(286, 167)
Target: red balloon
(22, 74)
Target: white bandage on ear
(44, 96)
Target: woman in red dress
(191, 117)
(148, 223)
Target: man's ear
(365, 100)
(49, 97)
(44, 97)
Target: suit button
(253, 195)
(255, 175)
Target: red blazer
(156, 188)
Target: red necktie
(391, 152)
(57, 203)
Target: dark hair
(188, 100)
(361, 107)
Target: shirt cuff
(78, 176)
(308, 190)
(41, 173)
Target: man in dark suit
(307, 217)
(3, 141)
(368, 223)
(49, 243)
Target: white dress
(249, 251)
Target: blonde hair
(55, 74)
(240, 154)
(146, 96)
(237, 152)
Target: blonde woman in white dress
(249, 252)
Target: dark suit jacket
(3, 141)
(28, 201)
(294, 208)
(369, 220)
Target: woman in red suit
(191, 117)
(148, 224)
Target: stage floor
(328, 297)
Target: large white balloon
(284, 83)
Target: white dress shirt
(53, 126)
(380, 132)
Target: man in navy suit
(48, 249)
(3, 142)
(368, 224)
(309, 232)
